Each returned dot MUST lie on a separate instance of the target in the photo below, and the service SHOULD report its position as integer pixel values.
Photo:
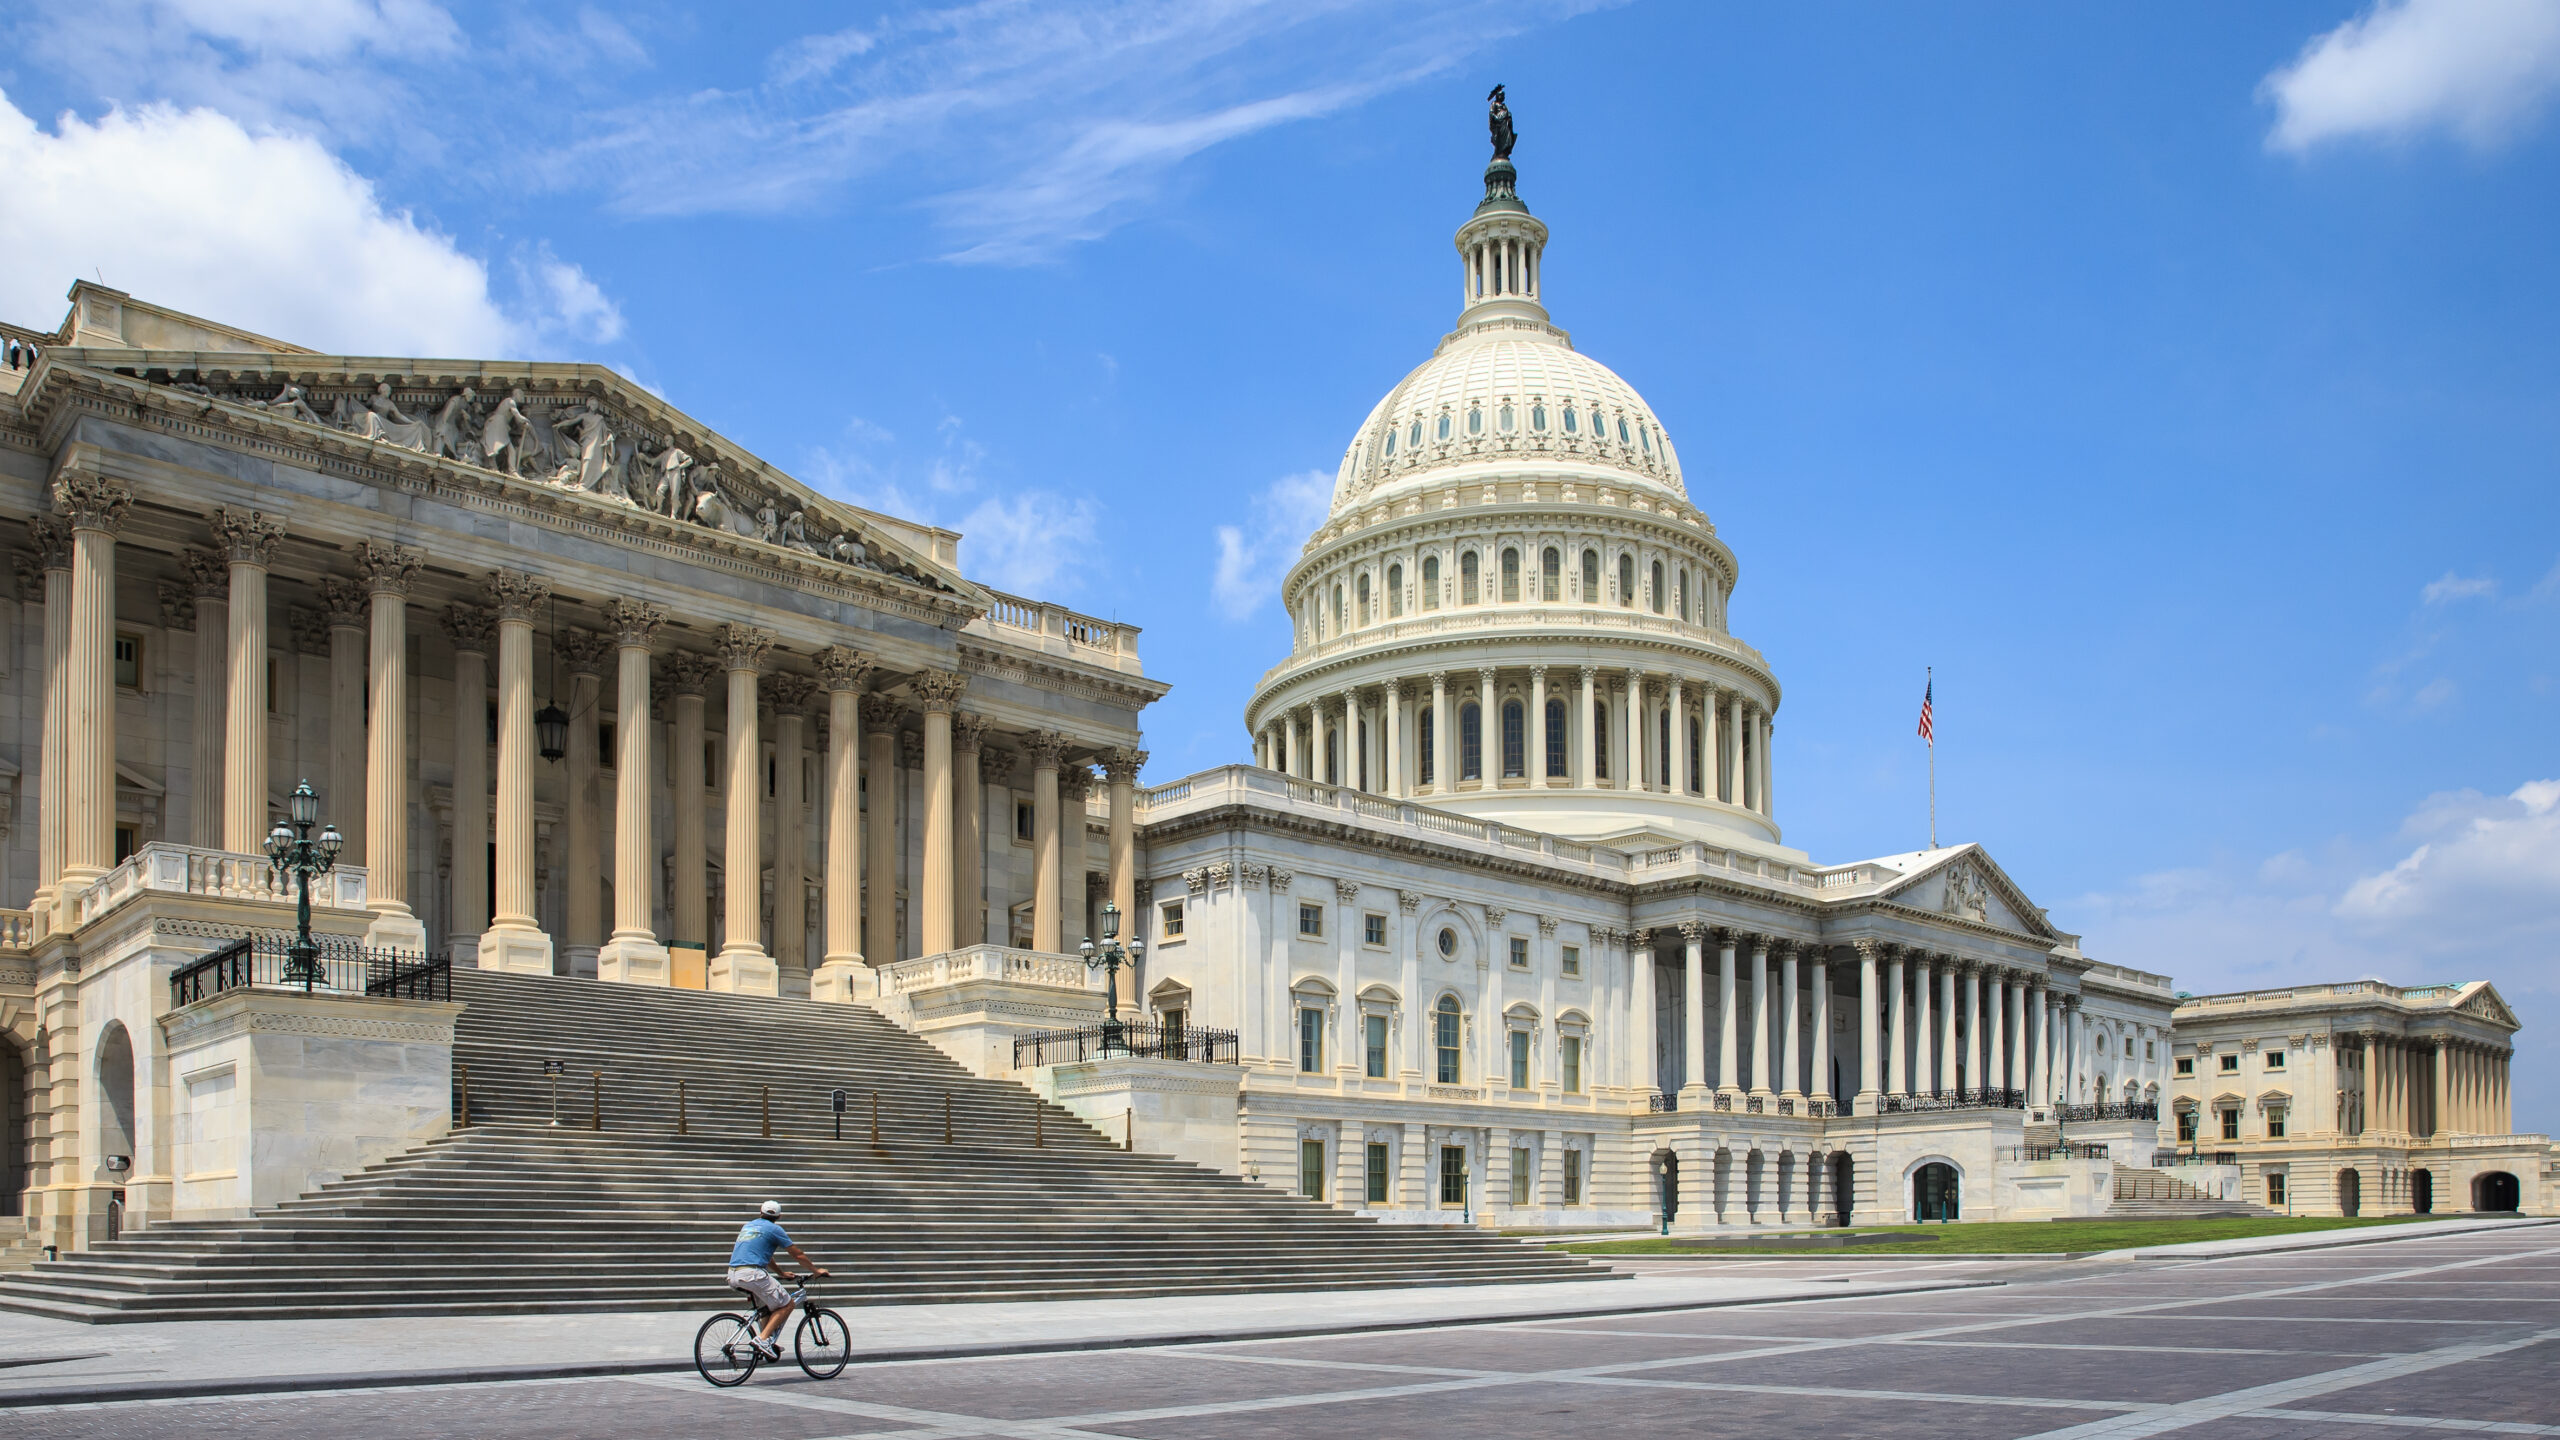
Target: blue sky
(2178, 380)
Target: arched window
(1627, 580)
(1681, 589)
(1622, 429)
(1599, 740)
(1444, 1039)
(1337, 609)
(1471, 741)
(1467, 577)
(1694, 770)
(1510, 576)
(1538, 418)
(1361, 594)
(1430, 582)
(1444, 424)
(1551, 574)
(1657, 596)
(1502, 419)
(1422, 743)
(1590, 577)
(1515, 741)
(1645, 433)
(1395, 591)
(1391, 441)
(1662, 745)
(1333, 756)
(1475, 421)
(1571, 426)
(1415, 439)
(1555, 738)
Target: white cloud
(1024, 543)
(1252, 557)
(2457, 587)
(2476, 68)
(270, 232)
(2487, 875)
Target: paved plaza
(2433, 1334)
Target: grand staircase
(678, 1112)
(2158, 1195)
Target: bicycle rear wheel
(823, 1344)
(724, 1349)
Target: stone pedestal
(972, 1003)
(843, 982)
(1171, 1107)
(633, 962)
(740, 971)
(396, 930)
(515, 949)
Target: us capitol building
(1499, 925)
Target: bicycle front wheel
(823, 1344)
(724, 1349)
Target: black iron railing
(343, 967)
(2108, 1110)
(2054, 1152)
(1659, 1103)
(1146, 1039)
(1956, 1100)
(2163, 1159)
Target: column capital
(584, 651)
(743, 647)
(788, 692)
(690, 672)
(634, 623)
(1695, 932)
(517, 595)
(937, 690)
(1537, 672)
(879, 711)
(208, 573)
(995, 767)
(1590, 673)
(1869, 950)
(1075, 782)
(1346, 891)
(309, 628)
(90, 501)
(177, 606)
(344, 602)
(1046, 748)
(388, 569)
(968, 733)
(841, 667)
(1121, 764)
(246, 536)
(52, 538)
(472, 628)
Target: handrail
(1143, 1039)
(343, 968)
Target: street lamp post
(1110, 955)
(292, 851)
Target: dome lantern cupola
(1501, 245)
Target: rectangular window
(1311, 1169)
(1470, 742)
(1374, 1042)
(1519, 1059)
(1311, 920)
(1373, 930)
(125, 843)
(2186, 1064)
(1444, 1042)
(1169, 920)
(1569, 1059)
(2230, 1064)
(2275, 1059)
(1311, 1040)
(1573, 1177)
(1377, 1173)
(2186, 1125)
(1022, 821)
(1572, 960)
(129, 661)
(2275, 1123)
(1519, 952)
(2275, 1190)
(1453, 1175)
(2230, 1124)
(1522, 1177)
(2146, 1050)
(604, 746)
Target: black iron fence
(1145, 1039)
(2109, 1110)
(2163, 1159)
(342, 967)
(1985, 1099)
(1659, 1103)
(2054, 1152)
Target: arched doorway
(2495, 1192)
(1934, 1192)
(13, 1128)
(2350, 1193)
(115, 1087)
(1666, 1171)
(2422, 1191)
(1843, 1196)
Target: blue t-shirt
(757, 1240)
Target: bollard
(595, 1117)
(1039, 1118)
(680, 1119)
(463, 1120)
(875, 1119)
(768, 1112)
(1129, 1132)
(946, 1117)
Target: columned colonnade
(2432, 1086)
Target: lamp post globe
(294, 854)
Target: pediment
(2484, 1002)
(1965, 884)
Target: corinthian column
(789, 694)
(515, 941)
(1792, 1081)
(53, 549)
(969, 831)
(251, 540)
(1760, 1017)
(880, 843)
(633, 956)
(209, 575)
(95, 507)
(347, 611)
(1120, 768)
(689, 678)
(841, 975)
(1870, 1098)
(938, 691)
(1047, 748)
(475, 633)
(742, 967)
(387, 573)
(1728, 1014)
(1394, 749)
(1444, 727)
(582, 917)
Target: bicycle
(724, 1349)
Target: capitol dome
(1512, 610)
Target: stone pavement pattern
(2430, 1335)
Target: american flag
(1928, 731)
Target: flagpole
(1933, 766)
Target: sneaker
(770, 1349)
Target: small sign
(555, 1068)
(837, 1100)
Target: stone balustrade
(998, 963)
(1060, 631)
(163, 868)
(17, 930)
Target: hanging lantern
(551, 731)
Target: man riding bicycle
(751, 1270)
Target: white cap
(771, 1207)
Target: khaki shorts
(759, 1282)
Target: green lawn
(2019, 1237)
